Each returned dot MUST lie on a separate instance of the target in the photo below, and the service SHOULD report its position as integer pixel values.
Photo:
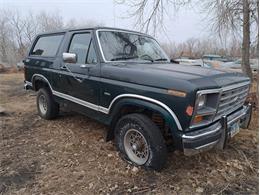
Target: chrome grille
(231, 99)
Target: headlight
(201, 101)
(205, 107)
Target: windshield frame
(129, 32)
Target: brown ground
(69, 156)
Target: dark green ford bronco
(125, 80)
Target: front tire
(47, 107)
(140, 141)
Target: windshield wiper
(161, 59)
(124, 58)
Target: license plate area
(234, 128)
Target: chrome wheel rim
(136, 147)
(42, 104)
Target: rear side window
(47, 45)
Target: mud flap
(110, 135)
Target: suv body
(113, 76)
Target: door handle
(84, 66)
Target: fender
(128, 101)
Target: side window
(47, 45)
(92, 58)
(79, 45)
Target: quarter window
(47, 45)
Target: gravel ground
(69, 156)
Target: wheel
(140, 141)
(47, 107)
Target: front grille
(231, 99)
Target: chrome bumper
(216, 135)
(27, 85)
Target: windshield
(120, 46)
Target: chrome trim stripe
(68, 97)
(76, 100)
(107, 110)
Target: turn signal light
(177, 93)
(189, 110)
(197, 119)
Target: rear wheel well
(156, 117)
(39, 83)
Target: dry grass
(69, 156)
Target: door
(80, 80)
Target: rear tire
(47, 107)
(140, 141)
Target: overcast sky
(186, 24)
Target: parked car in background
(236, 65)
(214, 57)
(192, 62)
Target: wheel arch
(125, 102)
(39, 81)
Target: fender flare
(38, 77)
(143, 101)
(128, 101)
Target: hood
(169, 75)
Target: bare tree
(226, 16)
(4, 36)
(246, 39)
(149, 14)
(49, 21)
(196, 48)
(31, 27)
(235, 16)
(191, 46)
(17, 31)
(18, 26)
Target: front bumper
(217, 134)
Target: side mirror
(69, 57)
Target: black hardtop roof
(90, 28)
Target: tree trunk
(3, 50)
(246, 40)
